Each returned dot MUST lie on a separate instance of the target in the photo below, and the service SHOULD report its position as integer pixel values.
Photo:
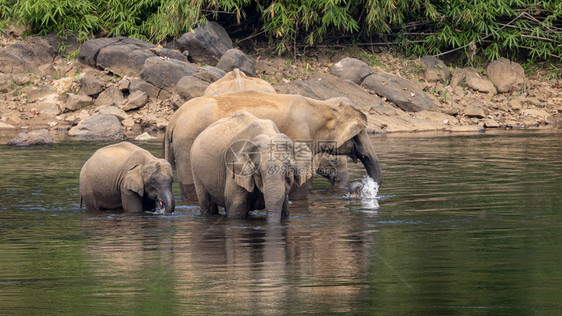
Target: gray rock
(507, 76)
(124, 84)
(457, 77)
(48, 108)
(141, 85)
(90, 49)
(404, 93)
(476, 82)
(123, 60)
(30, 53)
(36, 137)
(164, 95)
(11, 64)
(91, 86)
(190, 87)
(209, 73)
(351, 69)
(435, 69)
(169, 53)
(5, 82)
(163, 73)
(98, 126)
(76, 102)
(206, 44)
(110, 96)
(235, 58)
(113, 110)
(474, 109)
(326, 86)
(491, 123)
(136, 100)
(37, 92)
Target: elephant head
(333, 168)
(271, 165)
(152, 181)
(344, 126)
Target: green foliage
(526, 29)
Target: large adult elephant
(243, 163)
(332, 125)
(125, 176)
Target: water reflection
(465, 223)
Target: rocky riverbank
(117, 86)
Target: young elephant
(243, 163)
(126, 176)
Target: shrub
(527, 29)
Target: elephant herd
(241, 146)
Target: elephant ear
(133, 180)
(350, 121)
(303, 162)
(244, 169)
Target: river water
(463, 224)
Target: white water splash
(370, 187)
(368, 196)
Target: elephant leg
(301, 192)
(237, 209)
(207, 207)
(185, 176)
(131, 202)
(285, 209)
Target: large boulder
(26, 56)
(165, 73)
(136, 100)
(507, 76)
(110, 96)
(113, 110)
(326, 86)
(404, 93)
(141, 85)
(474, 108)
(169, 53)
(478, 83)
(11, 64)
(90, 49)
(76, 102)
(91, 86)
(473, 80)
(98, 126)
(206, 44)
(123, 59)
(351, 69)
(235, 58)
(435, 69)
(189, 87)
(37, 137)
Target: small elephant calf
(125, 176)
(244, 163)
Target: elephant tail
(81, 199)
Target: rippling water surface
(467, 224)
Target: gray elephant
(244, 163)
(125, 176)
(332, 126)
(333, 168)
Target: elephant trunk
(168, 199)
(366, 153)
(274, 196)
